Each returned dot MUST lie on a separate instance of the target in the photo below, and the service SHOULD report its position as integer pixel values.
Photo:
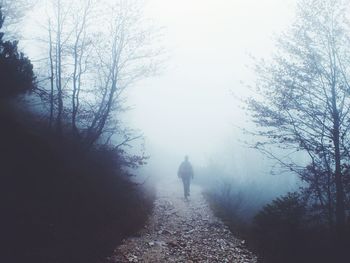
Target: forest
(65, 187)
(96, 117)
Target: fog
(191, 107)
(166, 131)
(194, 105)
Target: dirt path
(182, 231)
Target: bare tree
(121, 60)
(14, 12)
(96, 50)
(67, 42)
(80, 53)
(52, 76)
(303, 103)
(58, 63)
(59, 36)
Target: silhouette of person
(185, 172)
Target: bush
(279, 226)
(234, 203)
(61, 203)
(16, 70)
(286, 231)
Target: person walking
(185, 172)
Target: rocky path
(182, 231)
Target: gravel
(182, 231)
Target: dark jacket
(185, 170)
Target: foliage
(283, 217)
(16, 70)
(279, 227)
(62, 203)
(303, 104)
(285, 231)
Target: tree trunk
(340, 208)
(51, 79)
(59, 70)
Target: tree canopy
(304, 103)
(16, 70)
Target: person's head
(186, 158)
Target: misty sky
(190, 107)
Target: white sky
(189, 108)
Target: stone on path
(182, 231)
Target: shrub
(279, 225)
(16, 70)
(62, 203)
